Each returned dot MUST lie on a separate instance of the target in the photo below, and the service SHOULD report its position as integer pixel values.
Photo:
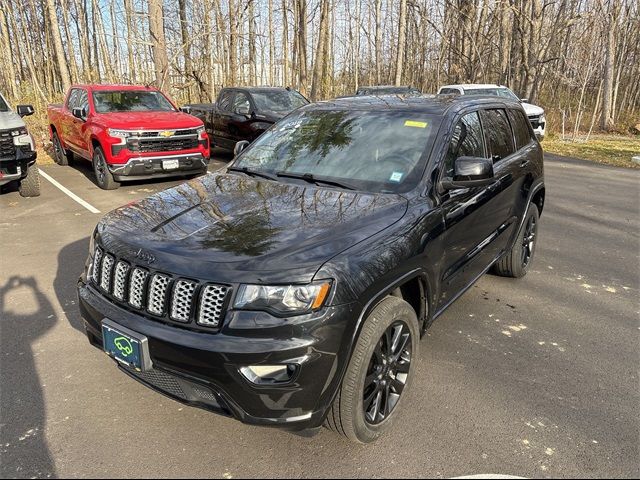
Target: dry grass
(606, 149)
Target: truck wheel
(30, 185)
(60, 156)
(379, 373)
(515, 263)
(103, 175)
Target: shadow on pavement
(70, 264)
(23, 447)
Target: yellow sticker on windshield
(413, 123)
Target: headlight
(287, 299)
(121, 134)
(18, 132)
(201, 132)
(542, 119)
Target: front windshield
(3, 105)
(279, 101)
(381, 151)
(494, 92)
(131, 101)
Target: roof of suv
(432, 104)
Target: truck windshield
(370, 151)
(131, 101)
(277, 101)
(3, 105)
(494, 92)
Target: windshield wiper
(308, 177)
(252, 173)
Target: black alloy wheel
(387, 373)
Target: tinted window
(241, 103)
(131, 101)
(449, 91)
(82, 100)
(377, 151)
(3, 105)
(520, 128)
(225, 101)
(72, 101)
(498, 133)
(466, 141)
(278, 101)
(494, 92)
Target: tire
(104, 178)
(60, 156)
(353, 416)
(516, 262)
(30, 185)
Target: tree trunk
(285, 44)
(606, 120)
(321, 50)
(186, 42)
(159, 43)
(301, 41)
(63, 69)
(402, 38)
(272, 46)
(131, 36)
(233, 49)
(378, 41)
(10, 70)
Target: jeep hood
(230, 227)
(10, 120)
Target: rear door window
(225, 101)
(497, 132)
(520, 125)
(466, 141)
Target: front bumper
(16, 168)
(153, 167)
(202, 369)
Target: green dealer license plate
(126, 346)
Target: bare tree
(159, 42)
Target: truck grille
(144, 145)
(7, 148)
(535, 120)
(159, 294)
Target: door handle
(524, 163)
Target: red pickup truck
(128, 133)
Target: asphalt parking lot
(535, 377)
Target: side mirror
(186, 109)
(240, 146)
(243, 110)
(25, 110)
(470, 172)
(80, 113)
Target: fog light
(269, 374)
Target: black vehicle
(244, 113)
(292, 289)
(387, 90)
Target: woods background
(580, 59)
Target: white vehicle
(17, 150)
(535, 113)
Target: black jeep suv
(292, 288)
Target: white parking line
(69, 193)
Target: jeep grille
(159, 294)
